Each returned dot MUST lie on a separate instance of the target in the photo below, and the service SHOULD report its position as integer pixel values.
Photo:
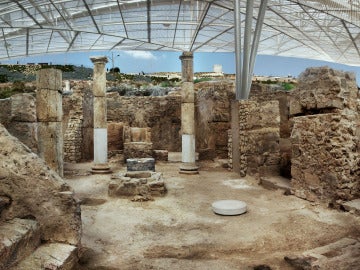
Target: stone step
(276, 182)
(51, 256)
(18, 239)
(352, 206)
(342, 254)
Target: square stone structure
(325, 164)
(145, 184)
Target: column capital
(186, 55)
(99, 59)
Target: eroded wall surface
(161, 114)
(259, 128)
(213, 118)
(326, 136)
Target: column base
(102, 168)
(189, 168)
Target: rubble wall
(160, 113)
(73, 122)
(259, 125)
(326, 136)
(18, 115)
(213, 118)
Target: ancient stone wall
(326, 136)
(5, 111)
(259, 125)
(73, 124)
(263, 92)
(18, 115)
(213, 118)
(161, 114)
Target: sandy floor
(180, 231)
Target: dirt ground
(180, 231)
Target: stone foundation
(140, 185)
(259, 136)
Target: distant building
(217, 69)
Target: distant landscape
(16, 79)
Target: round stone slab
(229, 207)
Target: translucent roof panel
(318, 29)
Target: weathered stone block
(23, 108)
(50, 145)
(161, 155)
(325, 162)
(49, 79)
(115, 136)
(138, 150)
(145, 184)
(323, 88)
(26, 133)
(5, 111)
(140, 164)
(48, 105)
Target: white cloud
(141, 55)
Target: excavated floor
(180, 230)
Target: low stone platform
(54, 256)
(140, 164)
(18, 239)
(142, 186)
(342, 254)
(276, 182)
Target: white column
(100, 165)
(188, 165)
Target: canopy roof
(318, 29)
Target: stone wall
(259, 134)
(213, 118)
(161, 114)
(263, 92)
(18, 115)
(326, 136)
(73, 123)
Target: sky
(157, 61)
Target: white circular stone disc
(229, 207)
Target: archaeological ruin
(304, 142)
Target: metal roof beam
(91, 16)
(72, 41)
(5, 43)
(148, 14)
(351, 37)
(122, 18)
(28, 13)
(200, 24)
(177, 22)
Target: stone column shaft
(49, 117)
(100, 117)
(188, 165)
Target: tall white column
(100, 165)
(188, 165)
